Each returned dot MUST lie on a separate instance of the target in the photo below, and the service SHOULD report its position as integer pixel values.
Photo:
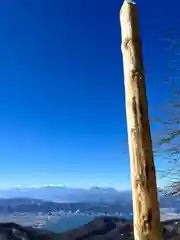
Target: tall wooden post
(145, 201)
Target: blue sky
(62, 112)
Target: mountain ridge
(105, 228)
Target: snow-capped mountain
(67, 194)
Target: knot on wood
(126, 42)
(134, 105)
(137, 75)
(129, 40)
(147, 222)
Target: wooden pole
(145, 201)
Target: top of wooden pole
(130, 1)
(129, 19)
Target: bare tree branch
(167, 143)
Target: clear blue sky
(62, 114)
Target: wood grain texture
(145, 202)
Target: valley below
(108, 211)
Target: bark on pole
(145, 201)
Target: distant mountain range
(65, 194)
(76, 195)
(97, 200)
